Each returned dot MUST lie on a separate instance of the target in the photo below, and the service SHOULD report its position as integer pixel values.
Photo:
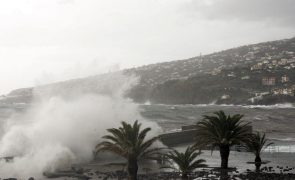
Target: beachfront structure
(186, 135)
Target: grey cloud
(274, 11)
(66, 1)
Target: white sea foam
(56, 131)
(275, 106)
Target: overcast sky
(43, 41)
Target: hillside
(230, 76)
(261, 73)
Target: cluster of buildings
(271, 81)
(268, 81)
(289, 91)
(284, 90)
(264, 56)
(151, 75)
(272, 64)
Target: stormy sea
(277, 121)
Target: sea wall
(178, 138)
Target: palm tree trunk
(132, 168)
(184, 176)
(224, 174)
(224, 153)
(257, 163)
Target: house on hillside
(225, 96)
(274, 62)
(268, 81)
(282, 62)
(260, 94)
(291, 60)
(245, 77)
(256, 67)
(285, 79)
(283, 91)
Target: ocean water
(277, 121)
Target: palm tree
(186, 162)
(222, 131)
(256, 144)
(129, 142)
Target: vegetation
(222, 131)
(186, 162)
(205, 89)
(216, 131)
(129, 142)
(256, 144)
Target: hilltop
(261, 73)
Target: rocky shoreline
(211, 173)
(267, 173)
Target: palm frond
(185, 161)
(222, 129)
(128, 140)
(256, 143)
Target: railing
(280, 149)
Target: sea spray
(59, 130)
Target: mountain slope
(230, 76)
